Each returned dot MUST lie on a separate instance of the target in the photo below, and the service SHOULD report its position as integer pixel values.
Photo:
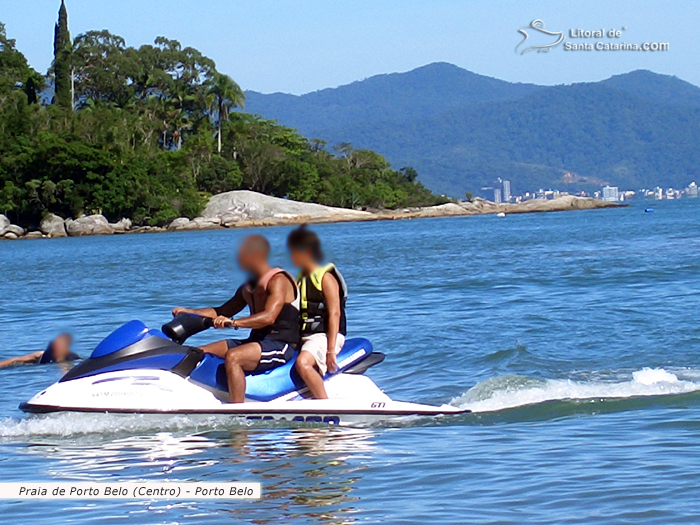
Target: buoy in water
(502, 214)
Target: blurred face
(300, 258)
(61, 347)
(251, 256)
(244, 260)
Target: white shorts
(317, 346)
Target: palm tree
(225, 95)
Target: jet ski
(137, 370)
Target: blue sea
(573, 337)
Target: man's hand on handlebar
(222, 321)
(180, 310)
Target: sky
(298, 46)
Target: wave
(517, 353)
(47, 427)
(514, 391)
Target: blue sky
(297, 46)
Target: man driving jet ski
(273, 299)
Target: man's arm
(228, 309)
(23, 359)
(331, 296)
(277, 288)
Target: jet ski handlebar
(184, 326)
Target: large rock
(216, 221)
(89, 225)
(206, 224)
(563, 203)
(198, 223)
(33, 235)
(147, 229)
(235, 206)
(121, 226)
(443, 210)
(180, 223)
(483, 207)
(53, 226)
(8, 230)
(12, 231)
(231, 217)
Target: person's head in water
(304, 248)
(61, 347)
(58, 351)
(253, 255)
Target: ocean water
(573, 337)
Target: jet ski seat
(277, 382)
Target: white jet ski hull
(354, 400)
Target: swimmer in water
(58, 351)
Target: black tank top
(286, 326)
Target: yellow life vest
(314, 313)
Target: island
(248, 209)
(120, 139)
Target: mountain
(585, 134)
(654, 87)
(461, 130)
(419, 93)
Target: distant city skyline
(306, 45)
(499, 192)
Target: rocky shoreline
(246, 209)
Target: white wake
(72, 424)
(512, 391)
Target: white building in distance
(611, 194)
(506, 191)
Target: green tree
(297, 180)
(225, 95)
(15, 73)
(62, 60)
(153, 133)
(219, 175)
(103, 70)
(10, 198)
(409, 174)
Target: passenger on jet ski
(323, 295)
(58, 351)
(273, 299)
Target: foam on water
(67, 424)
(72, 424)
(652, 376)
(512, 391)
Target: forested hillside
(149, 133)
